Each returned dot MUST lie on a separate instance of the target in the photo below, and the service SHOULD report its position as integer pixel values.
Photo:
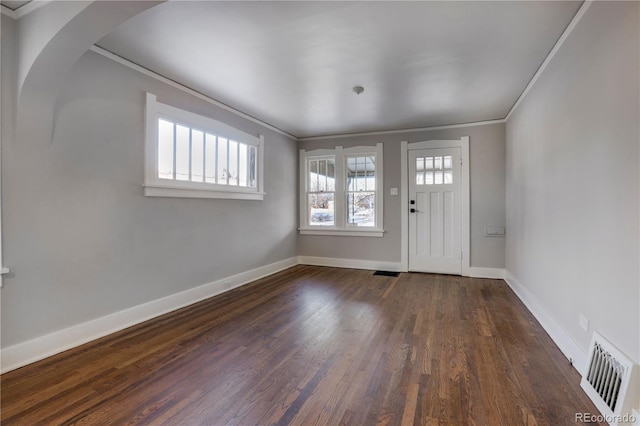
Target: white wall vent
(609, 380)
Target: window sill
(159, 191)
(342, 232)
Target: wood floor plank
(314, 345)
(410, 404)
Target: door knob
(414, 210)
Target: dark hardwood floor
(314, 345)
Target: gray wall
(81, 238)
(572, 181)
(487, 151)
(9, 62)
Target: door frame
(465, 243)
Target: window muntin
(341, 191)
(188, 155)
(434, 170)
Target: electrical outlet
(584, 322)
(494, 231)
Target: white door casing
(461, 263)
(435, 211)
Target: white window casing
(339, 225)
(222, 183)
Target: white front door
(435, 220)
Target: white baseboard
(350, 263)
(559, 335)
(42, 347)
(474, 272)
(493, 273)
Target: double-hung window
(189, 155)
(341, 191)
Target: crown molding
(567, 31)
(8, 12)
(23, 10)
(399, 131)
(36, 4)
(119, 59)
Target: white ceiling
(293, 64)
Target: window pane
(165, 149)
(448, 176)
(331, 174)
(242, 167)
(233, 163)
(419, 178)
(253, 166)
(438, 163)
(361, 208)
(361, 183)
(447, 162)
(438, 178)
(312, 180)
(322, 175)
(351, 173)
(222, 161)
(419, 164)
(428, 178)
(428, 163)
(360, 173)
(321, 209)
(182, 152)
(371, 174)
(210, 155)
(197, 156)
